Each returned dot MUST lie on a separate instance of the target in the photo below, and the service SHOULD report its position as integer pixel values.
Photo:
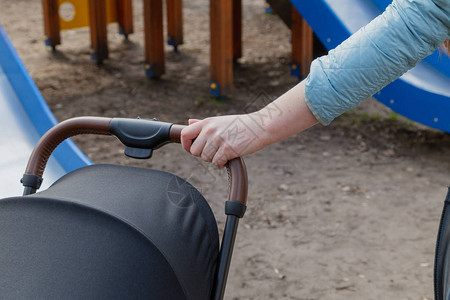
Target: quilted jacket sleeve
(376, 55)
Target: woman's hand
(220, 139)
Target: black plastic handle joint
(31, 183)
(140, 136)
(30, 180)
(235, 208)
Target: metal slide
(422, 94)
(24, 118)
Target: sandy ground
(348, 211)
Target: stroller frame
(141, 137)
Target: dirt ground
(348, 211)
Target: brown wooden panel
(154, 39)
(51, 22)
(175, 22)
(302, 43)
(125, 16)
(237, 29)
(97, 20)
(221, 31)
(283, 9)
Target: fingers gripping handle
(237, 174)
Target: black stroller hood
(123, 232)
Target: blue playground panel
(422, 94)
(24, 118)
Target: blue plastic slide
(422, 94)
(24, 118)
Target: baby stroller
(116, 232)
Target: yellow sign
(75, 13)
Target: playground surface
(348, 211)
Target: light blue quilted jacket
(376, 55)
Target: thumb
(193, 121)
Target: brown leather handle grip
(97, 125)
(57, 134)
(237, 172)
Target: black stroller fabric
(442, 255)
(109, 232)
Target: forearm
(219, 139)
(284, 117)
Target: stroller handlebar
(141, 137)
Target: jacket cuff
(315, 112)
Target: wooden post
(237, 29)
(221, 31)
(51, 23)
(154, 39)
(125, 17)
(302, 45)
(97, 25)
(175, 23)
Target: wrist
(262, 128)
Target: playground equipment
(225, 32)
(24, 118)
(70, 14)
(226, 43)
(153, 38)
(153, 30)
(302, 37)
(226, 40)
(110, 231)
(268, 8)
